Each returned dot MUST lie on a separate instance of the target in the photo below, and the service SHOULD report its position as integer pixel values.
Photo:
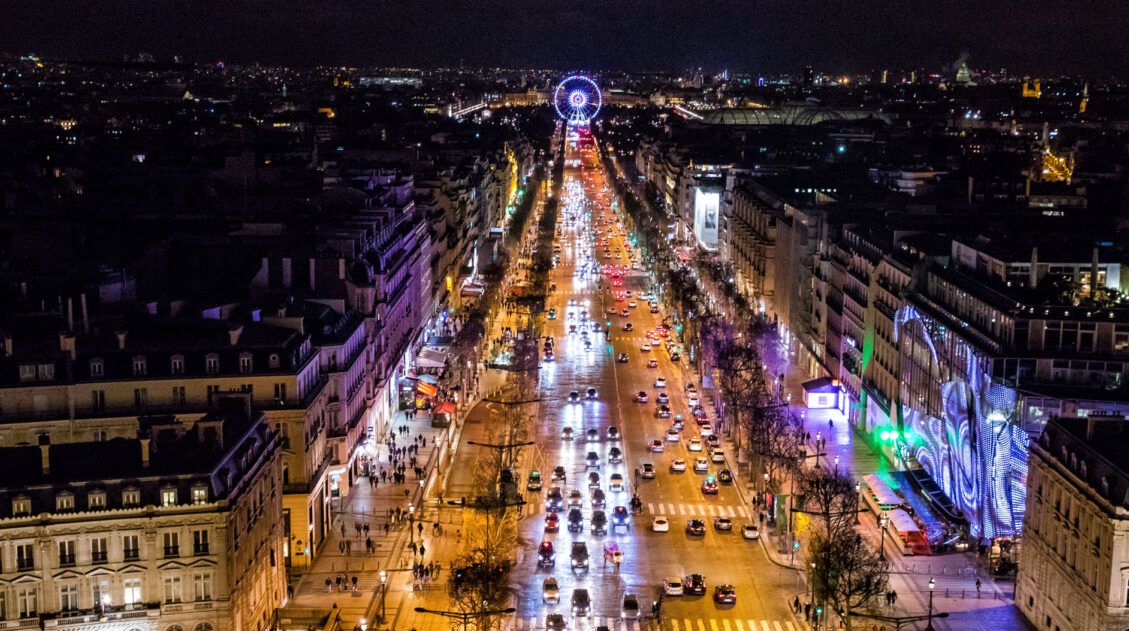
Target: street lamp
(836, 463)
(858, 499)
(883, 521)
(383, 591)
(929, 619)
(411, 523)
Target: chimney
(67, 344)
(85, 313)
(70, 315)
(121, 339)
(7, 345)
(341, 269)
(234, 333)
(1033, 275)
(1094, 273)
(144, 452)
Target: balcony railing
(66, 560)
(172, 551)
(200, 548)
(98, 556)
(131, 554)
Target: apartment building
(176, 528)
(1072, 565)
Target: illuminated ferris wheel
(577, 100)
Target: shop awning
(430, 357)
(426, 389)
(432, 379)
(445, 407)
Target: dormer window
(131, 497)
(97, 367)
(275, 361)
(21, 506)
(199, 494)
(212, 364)
(96, 499)
(176, 364)
(140, 366)
(64, 501)
(246, 363)
(168, 496)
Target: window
(176, 365)
(202, 586)
(27, 372)
(101, 435)
(66, 553)
(131, 550)
(274, 361)
(246, 364)
(200, 541)
(141, 397)
(172, 589)
(97, 368)
(203, 626)
(28, 600)
(97, 400)
(140, 366)
(64, 501)
(131, 591)
(68, 597)
(168, 496)
(100, 593)
(96, 499)
(199, 494)
(179, 395)
(131, 497)
(21, 506)
(280, 392)
(25, 556)
(212, 363)
(172, 544)
(47, 372)
(99, 550)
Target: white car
(693, 400)
(657, 446)
(616, 482)
(672, 586)
(632, 304)
(678, 465)
(706, 429)
(672, 436)
(695, 444)
(700, 464)
(717, 456)
(550, 590)
(750, 531)
(645, 347)
(659, 523)
(660, 382)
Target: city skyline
(1038, 37)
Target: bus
(912, 537)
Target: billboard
(707, 208)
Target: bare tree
(831, 498)
(847, 574)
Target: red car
(552, 523)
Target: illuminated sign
(707, 208)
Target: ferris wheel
(577, 100)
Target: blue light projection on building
(960, 426)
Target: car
(696, 527)
(645, 347)
(558, 473)
(677, 423)
(701, 464)
(641, 396)
(592, 459)
(647, 470)
(545, 554)
(678, 465)
(598, 497)
(674, 357)
(552, 522)
(694, 444)
(575, 498)
(632, 304)
(712, 441)
(672, 586)
(590, 393)
(660, 382)
(657, 446)
(717, 456)
(672, 435)
(623, 313)
(630, 606)
(659, 523)
(549, 356)
(725, 594)
(593, 479)
(572, 302)
(654, 309)
(599, 522)
(550, 590)
(552, 315)
(663, 398)
(690, 387)
(662, 411)
(709, 485)
(621, 358)
(652, 363)
(534, 481)
(694, 584)
(554, 499)
(613, 433)
(651, 335)
(592, 435)
(581, 601)
(706, 429)
(750, 531)
(616, 482)
(575, 520)
(579, 555)
(725, 476)
(566, 433)
(620, 515)
(722, 524)
(692, 400)
(571, 327)
(699, 413)
(627, 326)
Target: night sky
(1064, 36)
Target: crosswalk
(669, 509)
(671, 624)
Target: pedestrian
(831, 423)
(435, 528)
(365, 528)
(419, 529)
(368, 545)
(412, 545)
(383, 475)
(807, 611)
(341, 546)
(796, 605)
(354, 583)
(342, 529)
(978, 587)
(421, 551)
(328, 585)
(348, 547)
(337, 581)
(893, 597)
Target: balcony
(66, 560)
(172, 552)
(25, 565)
(98, 556)
(131, 554)
(200, 549)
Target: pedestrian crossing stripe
(696, 510)
(674, 624)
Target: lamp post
(883, 521)
(836, 463)
(929, 618)
(411, 523)
(858, 500)
(383, 592)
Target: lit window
(199, 494)
(131, 497)
(176, 365)
(97, 499)
(97, 368)
(131, 591)
(168, 496)
(64, 501)
(246, 363)
(21, 506)
(139, 366)
(212, 364)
